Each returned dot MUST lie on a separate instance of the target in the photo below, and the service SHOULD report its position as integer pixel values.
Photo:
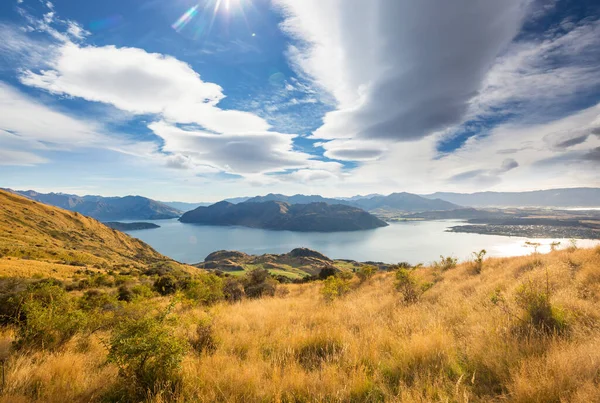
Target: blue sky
(187, 100)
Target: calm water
(412, 242)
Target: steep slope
(33, 233)
(574, 197)
(321, 217)
(106, 208)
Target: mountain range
(396, 201)
(277, 215)
(570, 197)
(105, 208)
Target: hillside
(106, 208)
(299, 263)
(33, 234)
(573, 197)
(522, 330)
(321, 217)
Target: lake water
(413, 242)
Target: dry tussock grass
(453, 345)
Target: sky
(200, 101)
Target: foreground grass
(456, 343)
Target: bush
(50, 318)
(204, 340)
(446, 263)
(206, 289)
(326, 272)
(335, 287)
(478, 263)
(258, 283)
(95, 299)
(11, 299)
(408, 286)
(166, 285)
(538, 311)
(366, 272)
(233, 290)
(148, 356)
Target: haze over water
(413, 242)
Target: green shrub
(233, 289)
(258, 283)
(166, 285)
(50, 318)
(537, 314)
(335, 287)
(366, 272)
(538, 311)
(96, 299)
(11, 299)
(407, 284)
(148, 356)
(446, 263)
(326, 272)
(206, 289)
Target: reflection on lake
(413, 242)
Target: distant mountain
(106, 208)
(396, 201)
(574, 197)
(276, 215)
(183, 206)
(404, 202)
(296, 199)
(360, 197)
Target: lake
(413, 242)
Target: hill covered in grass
(275, 215)
(106, 208)
(524, 329)
(33, 234)
(299, 263)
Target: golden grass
(454, 345)
(40, 235)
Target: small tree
(49, 319)
(166, 285)
(479, 256)
(258, 283)
(233, 290)
(335, 287)
(366, 272)
(446, 263)
(408, 286)
(326, 272)
(206, 289)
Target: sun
(210, 9)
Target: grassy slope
(453, 345)
(37, 238)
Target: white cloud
(535, 75)
(398, 69)
(237, 153)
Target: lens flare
(185, 18)
(206, 14)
